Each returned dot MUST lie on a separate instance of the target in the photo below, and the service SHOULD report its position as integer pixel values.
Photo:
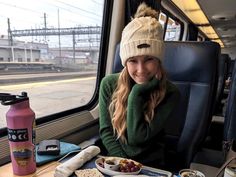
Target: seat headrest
(230, 117)
(224, 59)
(225, 56)
(231, 66)
(188, 61)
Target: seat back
(192, 67)
(230, 115)
(222, 74)
(228, 62)
(230, 67)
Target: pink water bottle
(21, 134)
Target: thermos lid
(231, 170)
(190, 172)
(8, 99)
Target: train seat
(215, 135)
(216, 158)
(230, 116)
(222, 74)
(231, 66)
(192, 67)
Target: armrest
(208, 171)
(209, 157)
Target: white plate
(111, 172)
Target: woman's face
(142, 68)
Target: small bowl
(112, 164)
(190, 172)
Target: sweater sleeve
(138, 130)
(106, 131)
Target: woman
(136, 103)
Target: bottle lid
(8, 99)
(231, 170)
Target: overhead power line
(89, 12)
(55, 31)
(22, 8)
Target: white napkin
(68, 167)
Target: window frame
(101, 70)
(173, 17)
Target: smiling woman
(135, 103)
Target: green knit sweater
(142, 138)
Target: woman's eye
(132, 61)
(149, 59)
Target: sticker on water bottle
(18, 135)
(22, 155)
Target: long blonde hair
(118, 105)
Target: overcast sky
(27, 14)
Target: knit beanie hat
(142, 36)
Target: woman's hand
(146, 87)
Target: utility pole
(59, 38)
(73, 33)
(10, 42)
(45, 27)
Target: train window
(50, 49)
(162, 19)
(199, 38)
(173, 30)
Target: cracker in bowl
(88, 172)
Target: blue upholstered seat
(222, 76)
(192, 66)
(230, 116)
(213, 157)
